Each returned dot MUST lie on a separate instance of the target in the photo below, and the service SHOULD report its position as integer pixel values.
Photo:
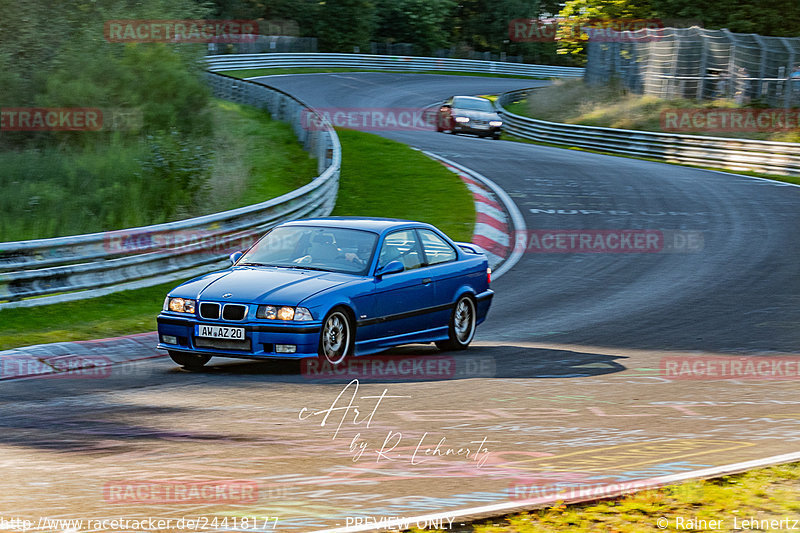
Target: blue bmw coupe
(331, 288)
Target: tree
(296, 15)
(765, 17)
(345, 24)
(421, 22)
(76, 66)
(55, 54)
(579, 13)
(484, 25)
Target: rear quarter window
(436, 249)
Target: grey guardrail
(733, 154)
(45, 271)
(376, 62)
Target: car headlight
(301, 313)
(267, 311)
(462, 119)
(286, 313)
(272, 312)
(180, 305)
(496, 123)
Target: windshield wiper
(303, 267)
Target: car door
(401, 298)
(444, 272)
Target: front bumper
(260, 337)
(469, 127)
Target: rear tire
(189, 361)
(336, 337)
(462, 325)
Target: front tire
(462, 325)
(189, 361)
(336, 337)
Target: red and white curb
(497, 220)
(491, 223)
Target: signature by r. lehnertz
(353, 414)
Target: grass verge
(574, 102)
(313, 70)
(385, 178)
(379, 178)
(771, 493)
(256, 158)
(55, 191)
(112, 315)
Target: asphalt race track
(580, 377)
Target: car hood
(475, 115)
(277, 286)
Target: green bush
(65, 182)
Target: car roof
(473, 98)
(376, 224)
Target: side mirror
(392, 267)
(235, 256)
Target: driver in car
(323, 249)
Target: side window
(437, 250)
(401, 246)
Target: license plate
(481, 127)
(219, 332)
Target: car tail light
(488, 275)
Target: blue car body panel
(410, 306)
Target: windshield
(315, 248)
(474, 104)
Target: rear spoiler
(470, 248)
